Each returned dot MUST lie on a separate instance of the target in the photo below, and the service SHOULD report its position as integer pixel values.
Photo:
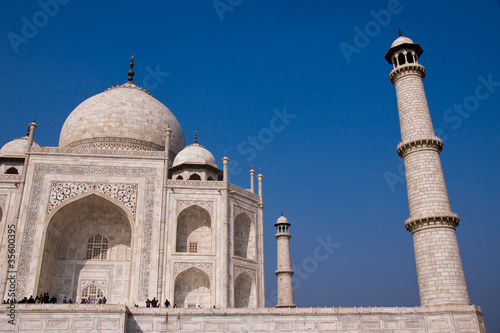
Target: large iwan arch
(192, 289)
(244, 291)
(244, 237)
(68, 265)
(194, 231)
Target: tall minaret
(432, 224)
(284, 271)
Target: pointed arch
(195, 176)
(244, 237)
(12, 171)
(192, 288)
(244, 291)
(91, 292)
(194, 230)
(64, 265)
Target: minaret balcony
(399, 71)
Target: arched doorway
(244, 237)
(87, 242)
(244, 291)
(192, 289)
(93, 292)
(194, 231)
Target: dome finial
(195, 136)
(399, 31)
(28, 131)
(131, 71)
(281, 213)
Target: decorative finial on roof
(260, 170)
(131, 71)
(28, 131)
(195, 136)
(225, 153)
(281, 213)
(399, 31)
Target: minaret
(284, 271)
(432, 224)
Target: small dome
(401, 40)
(122, 117)
(401, 43)
(282, 219)
(195, 154)
(16, 148)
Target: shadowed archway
(244, 237)
(194, 231)
(192, 289)
(87, 241)
(244, 291)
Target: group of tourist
(154, 303)
(45, 298)
(98, 300)
(42, 298)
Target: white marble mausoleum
(124, 209)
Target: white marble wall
(114, 319)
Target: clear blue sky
(223, 71)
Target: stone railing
(212, 184)
(243, 192)
(447, 308)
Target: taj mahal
(124, 208)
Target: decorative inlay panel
(238, 270)
(35, 197)
(208, 205)
(206, 267)
(124, 193)
(116, 143)
(3, 200)
(96, 151)
(196, 183)
(238, 209)
(7, 177)
(101, 284)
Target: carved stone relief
(208, 205)
(3, 200)
(239, 269)
(206, 267)
(239, 208)
(124, 193)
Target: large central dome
(123, 117)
